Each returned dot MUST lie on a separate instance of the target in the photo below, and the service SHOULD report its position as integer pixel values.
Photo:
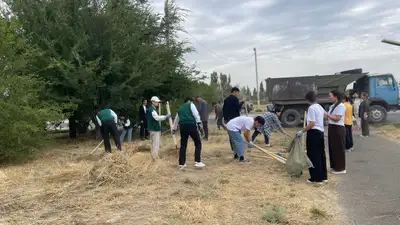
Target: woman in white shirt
(315, 142)
(337, 133)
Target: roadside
(369, 192)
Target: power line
(216, 54)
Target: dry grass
(69, 186)
(391, 132)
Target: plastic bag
(297, 159)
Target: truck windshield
(385, 81)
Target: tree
(262, 91)
(105, 53)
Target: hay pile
(391, 132)
(114, 169)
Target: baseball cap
(155, 99)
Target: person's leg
(348, 136)
(331, 145)
(266, 140)
(238, 144)
(324, 171)
(205, 127)
(155, 144)
(194, 134)
(338, 153)
(184, 140)
(219, 122)
(106, 137)
(366, 127)
(313, 153)
(146, 131)
(122, 137)
(255, 134)
(114, 133)
(130, 134)
(351, 137)
(142, 131)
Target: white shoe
(267, 145)
(199, 164)
(181, 167)
(338, 172)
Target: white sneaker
(267, 145)
(199, 164)
(181, 167)
(338, 172)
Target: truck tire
(377, 114)
(290, 118)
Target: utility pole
(257, 85)
(392, 42)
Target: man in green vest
(107, 120)
(153, 125)
(189, 121)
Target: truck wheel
(290, 118)
(377, 114)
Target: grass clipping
(112, 169)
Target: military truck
(288, 93)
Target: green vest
(152, 124)
(105, 115)
(185, 114)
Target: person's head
(144, 101)
(311, 97)
(355, 95)
(155, 101)
(188, 100)
(335, 96)
(235, 91)
(364, 95)
(197, 99)
(259, 121)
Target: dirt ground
(391, 132)
(70, 186)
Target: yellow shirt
(348, 116)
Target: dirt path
(370, 191)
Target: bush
(24, 116)
(274, 214)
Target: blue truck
(288, 93)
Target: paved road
(370, 191)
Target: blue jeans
(124, 131)
(237, 142)
(256, 133)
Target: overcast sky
(292, 37)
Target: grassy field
(391, 132)
(69, 186)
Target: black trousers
(364, 127)
(187, 130)
(349, 137)
(337, 147)
(107, 128)
(144, 133)
(315, 144)
(219, 122)
(205, 128)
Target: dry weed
(70, 187)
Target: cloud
(292, 38)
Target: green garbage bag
(297, 159)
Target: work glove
(141, 122)
(173, 132)
(299, 134)
(167, 116)
(250, 144)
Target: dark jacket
(364, 108)
(231, 108)
(203, 109)
(142, 114)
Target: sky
(292, 37)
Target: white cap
(155, 99)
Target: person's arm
(157, 117)
(340, 111)
(247, 136)
(113, 114)
(98, 120)
(176, 122)
(195, 113)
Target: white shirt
(339, 111)
(240, 123)
(113, 114)
(145, 109)
(195, 115)
(316, 114)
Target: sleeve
(128, 123)
(277, 121)
(340, 110)
(157, 117)
(249, 124)
(195, 113)
(311, 115)
(176, 121)
(98, 120)
(113, 114)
